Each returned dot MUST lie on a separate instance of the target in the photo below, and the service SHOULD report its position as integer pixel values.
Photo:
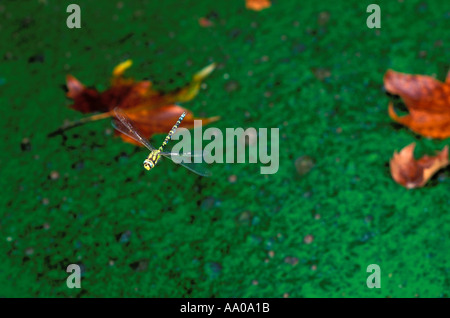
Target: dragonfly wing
(197, 168)
(123, 124)
(184, 154)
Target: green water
(310, 68)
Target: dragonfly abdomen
(172, 131)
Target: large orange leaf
(427, 100)
(152, 111)
(126, 93)
(412, 173)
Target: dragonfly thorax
(152, 159)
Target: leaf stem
(79, 122)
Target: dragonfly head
(148, 164)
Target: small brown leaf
(205, 22)
(321, 73)
(257, 5)
(427, 100)
(304, 164)
(412, 173)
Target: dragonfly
(123, 124)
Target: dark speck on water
(124, 237)
(244, 219)
(304, 164)
(321, 73)
(213, 270)
(235, 33)
(78, 165)
(140, 266)
(25, 145)
(38, 58)
(231, 86)
(323, 18)
(212, 15)
(291, 260)
(122, 156)
(208, 203)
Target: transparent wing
(184, 154)
(123, 124)
(197, 168)
(169, 151)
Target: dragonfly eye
(148, 164)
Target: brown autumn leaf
(257, 5)
(205, 22)
(412, 173)
(427, 100)
(126, 93)
(153, 111)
